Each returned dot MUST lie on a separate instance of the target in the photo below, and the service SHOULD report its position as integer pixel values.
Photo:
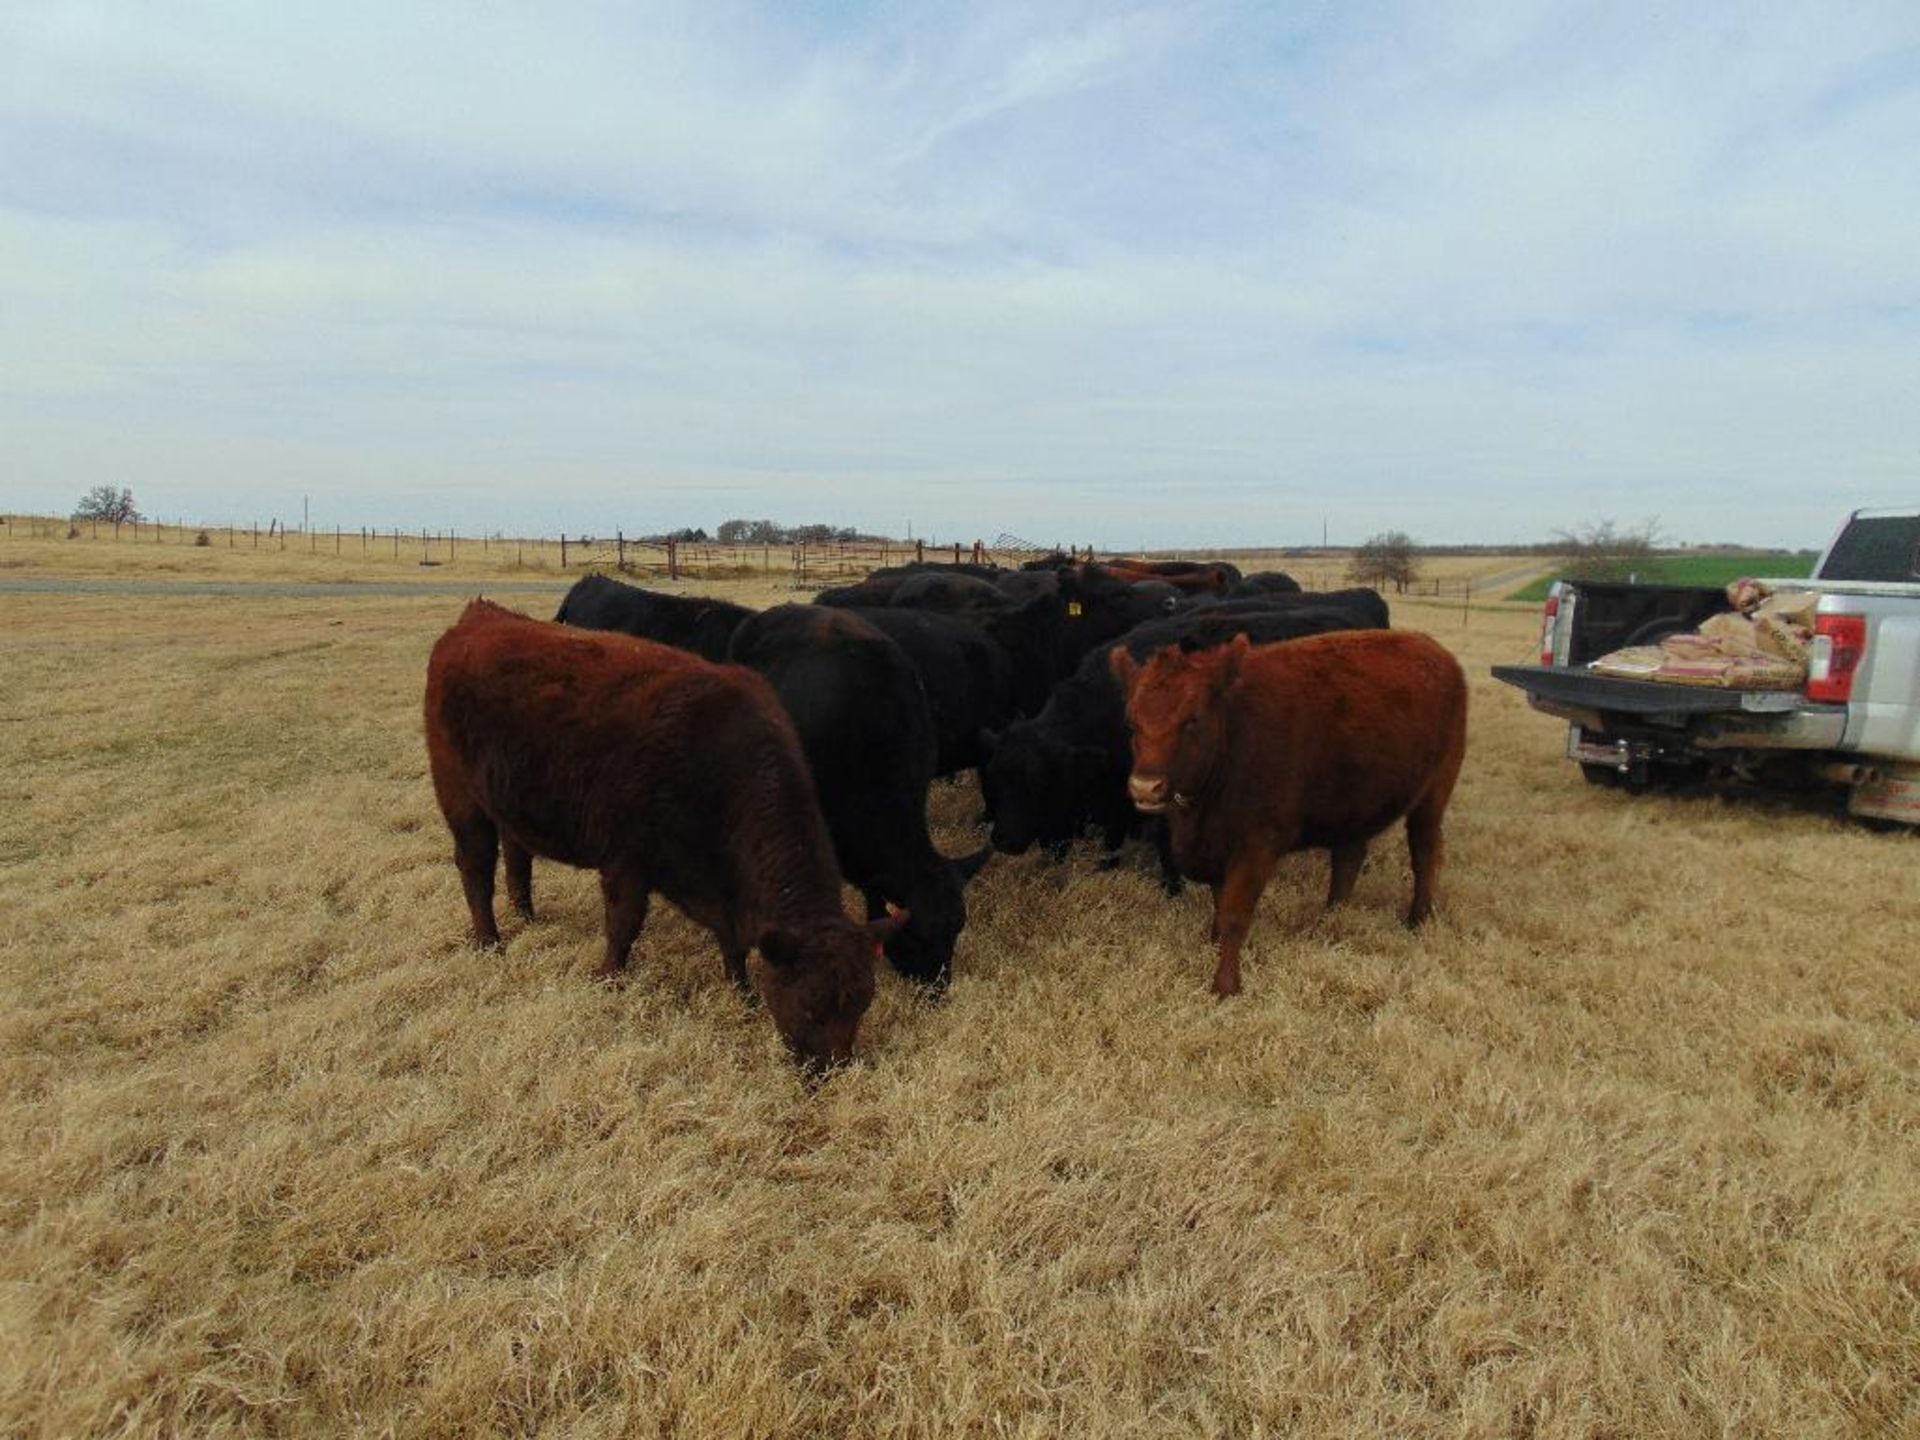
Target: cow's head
(1175, 715)
(1035, 788)
(923, 949)
(819, 982)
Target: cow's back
(566, 737)
(1341, 733)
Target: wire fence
(810, 564)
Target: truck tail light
(1549, 617)
(1839, 645)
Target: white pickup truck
(1856, 723)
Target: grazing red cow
(1319, 742)
(663, 772)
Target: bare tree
(1606, 551)
(103, 502)
(1386, 558)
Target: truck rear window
(1884, 548)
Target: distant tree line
(765, 532)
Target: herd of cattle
(742, 763)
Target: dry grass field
(1627, 1143)
(38, 548)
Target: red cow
(1191, 577)
(663, 772)
(1316, 743)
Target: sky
(1204, 274)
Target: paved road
(1515, 578)
(276, 589)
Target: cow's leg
(1347, 860)
(518, 862)
(736, 961)
(1424, 847)
(1170, 880)
(475, 847)
(1233, 906)
(626, 902)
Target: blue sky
(1182, 274)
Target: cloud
(1182, 273)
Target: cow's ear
(778, 947)
(1125, 668)
(1234, 656)
(884, 930)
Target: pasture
(1626, 1142)
(1702, 570)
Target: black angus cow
(967, 672)
(1263, 582)
(863, 722)
(1102, 605)
(687, 622)
(984, 668)
(882, 586)
(1367, 608)
(929, 591)
(1051, 778)
(1024, 585)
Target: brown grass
(1627, 1143)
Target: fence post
(425, 553)
(920, 552)
(673, 559)
(563, 549)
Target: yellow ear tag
(1073, 607)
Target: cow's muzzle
(1149, 793)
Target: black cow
(1050, 778)
(687, 622)
(1263, 582)
(882, 585)
(967, 674)
(863, 722)
(1366, 608)
(929, 591)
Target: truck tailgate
(1577, 687)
